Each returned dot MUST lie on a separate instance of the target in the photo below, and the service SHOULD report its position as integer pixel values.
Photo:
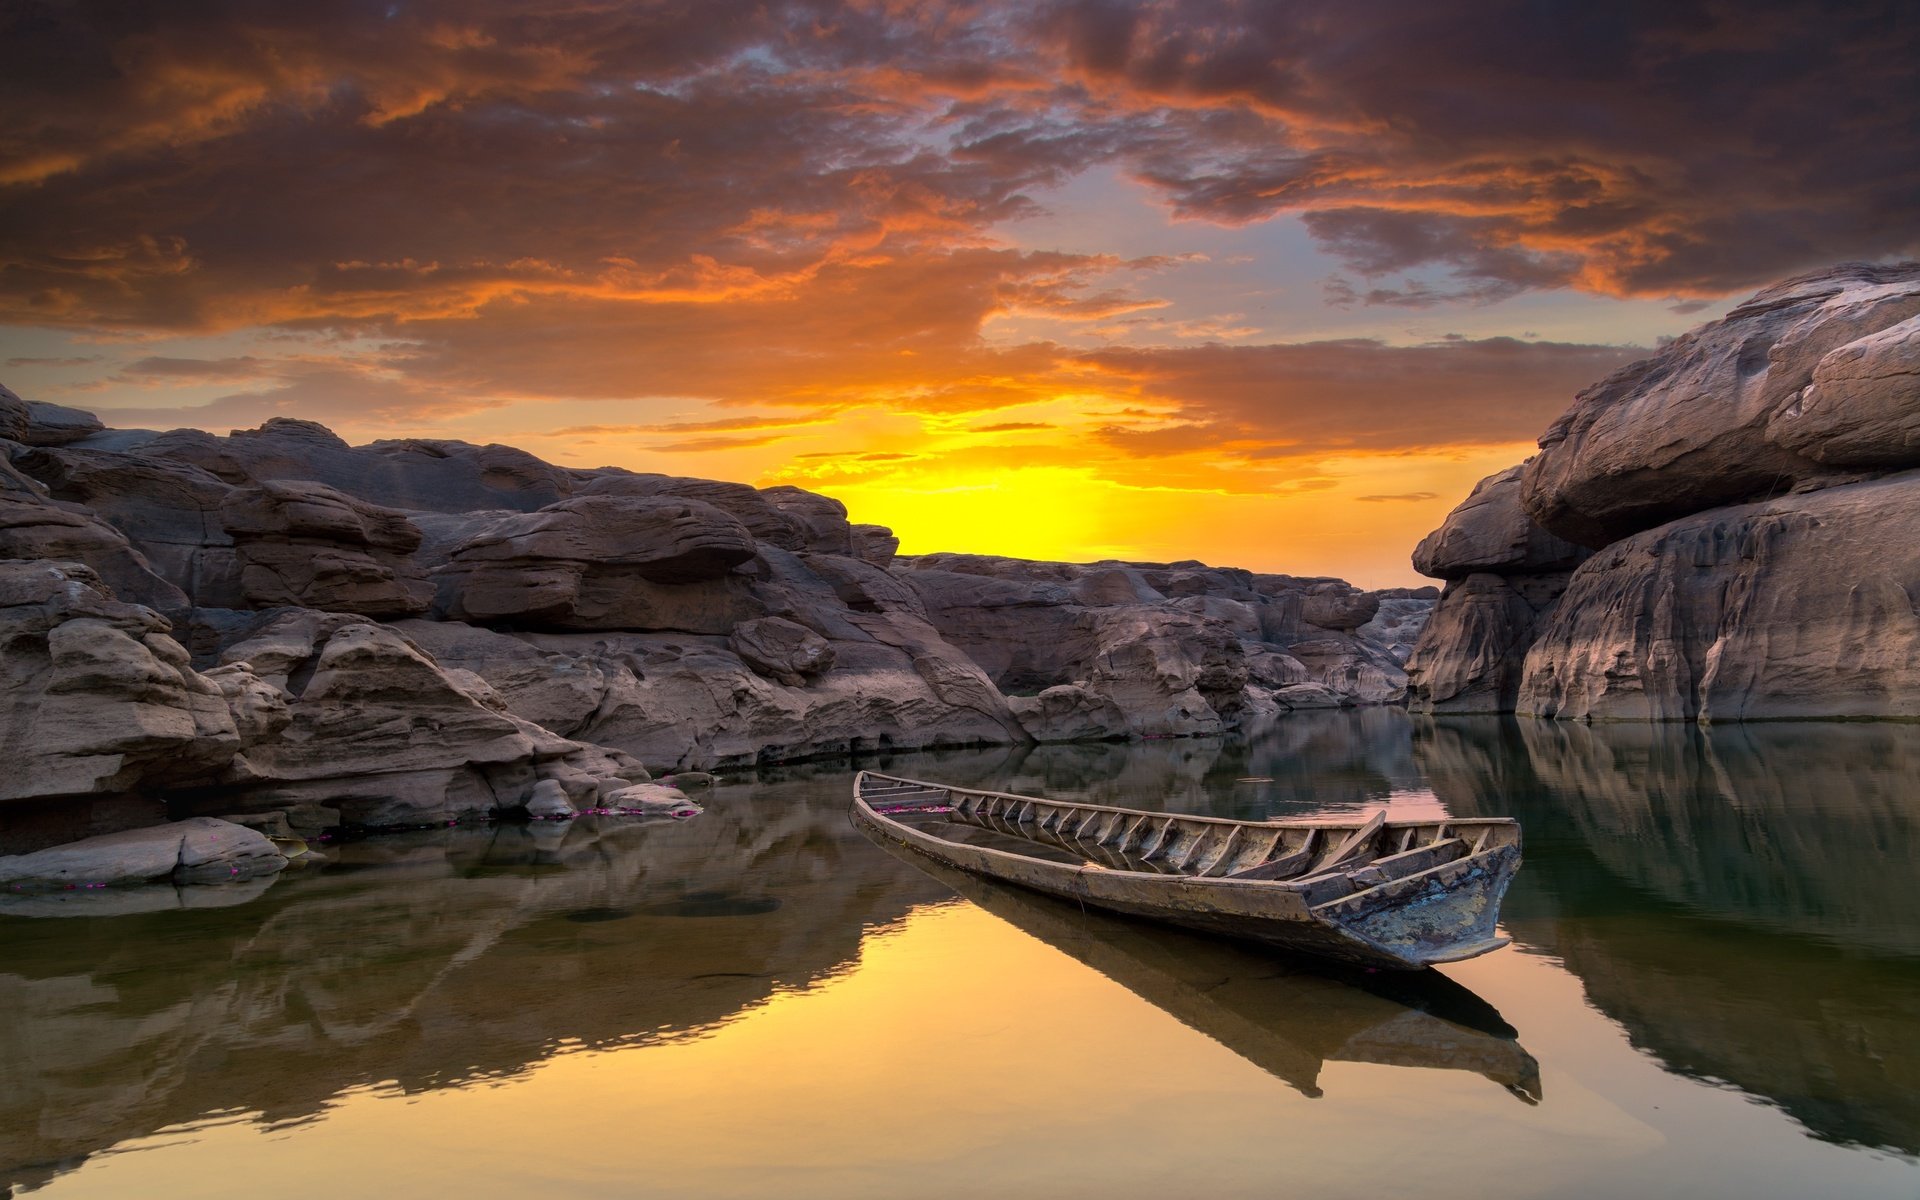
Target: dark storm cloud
(1647, 147)
(789, 202)
(195, 164)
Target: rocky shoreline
(294, 634)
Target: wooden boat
(1377, 892)
(1288, 1018)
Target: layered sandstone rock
(307, 545)
(826, 655)
(601, 562)
(378, 730)
(413, 474)
(95, 698)
(415, 632)
(34, 526)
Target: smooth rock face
(1505, 574)
(1705, 422)
(1797, 607)
(199, 850)
(306, 545)
(1723, 480)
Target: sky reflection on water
(1713, 992)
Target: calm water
(1714, 991)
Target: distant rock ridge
(1729, 529)
(413, 632)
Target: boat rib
(1373, 890)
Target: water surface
(1714, 991)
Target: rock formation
(309, 546)
(1504, 578)
(1750, 493)
(1118, 649)
(415, 632)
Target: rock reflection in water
(1739, 898)
(1286, 1017)
(426, 960)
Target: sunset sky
(1264, 284)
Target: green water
(1714, 991)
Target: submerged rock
(200, 850)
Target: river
(1714, 990)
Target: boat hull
(1442, 915)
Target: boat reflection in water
(1285, 1016)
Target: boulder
(1863, 407)
(875, 544)
(822, 520)
(1504, 575)
(307, 545)
(95, 698)
(1070, 712)
(200, 850)
(57, 425)
(1490, 533)
(782, 650)
(653, 799)
(548, 801)
(1717, 416)
(1802, 606)
(1339, 607)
